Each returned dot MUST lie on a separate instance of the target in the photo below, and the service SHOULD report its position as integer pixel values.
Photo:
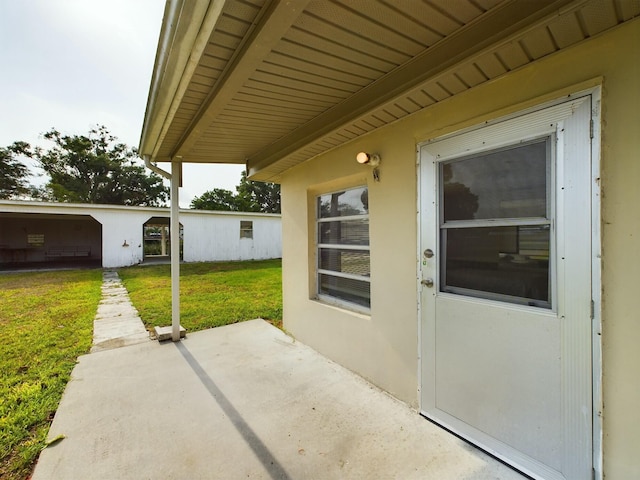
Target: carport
(41, 240)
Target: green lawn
(211, 294)
(46, 322)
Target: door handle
(427, 282)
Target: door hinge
(593, 308)
(591, 128)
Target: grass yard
(46, 322)
(211, 294)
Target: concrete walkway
(243, 401)
(117, 323)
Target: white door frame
(596, 249)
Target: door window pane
(508, 183)
(508, 261)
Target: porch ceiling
(272, 83)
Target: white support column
(176, 170)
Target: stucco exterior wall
(383, 346)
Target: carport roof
(271, 83)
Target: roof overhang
(271, 83)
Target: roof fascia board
(165, 40)
(18, 206)
(186, 29)
(25, 206)
(273, 23)
(504, 22)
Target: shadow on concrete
(270, 463)
(261, 405)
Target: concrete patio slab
(243, 401)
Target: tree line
(95, 168)
(250, 197)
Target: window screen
(343, 272)
(495, 230)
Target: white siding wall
(122, 243)
(211, 237)
(208, 236)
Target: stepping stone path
(117, 322)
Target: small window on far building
(246, 229)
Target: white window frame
(548, 220)
(596, 242)
(246, 230)
(330, 299)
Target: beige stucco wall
(383, 347)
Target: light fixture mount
(365, 158)
(371, 159)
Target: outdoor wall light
(364, 158)
(373, 160)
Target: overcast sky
(75, 64)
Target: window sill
(344, 307)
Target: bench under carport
(68, 251)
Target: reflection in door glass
(508, 183)
(509, 261)
(496, 224)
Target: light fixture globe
(363, 158)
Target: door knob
(427, 282)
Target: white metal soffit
(275, 83)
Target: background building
(42, 234)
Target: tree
(13, 173)
(97, 169)
(216, 199)
(258, 196)
(251, 197)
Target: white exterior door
(505, 270)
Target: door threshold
(476, 446)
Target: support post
(176, 171)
